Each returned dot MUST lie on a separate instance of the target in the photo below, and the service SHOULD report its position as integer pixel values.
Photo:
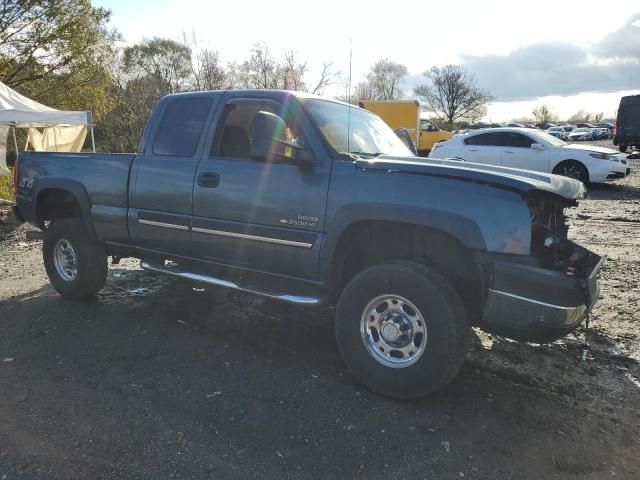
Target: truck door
(258, 212)
(160, 193)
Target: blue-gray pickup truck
(312, 201)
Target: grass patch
(6, 187)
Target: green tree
(58, 52)
(165, 63)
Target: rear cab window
(181, 127)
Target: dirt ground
(158, 379)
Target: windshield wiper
(363, 154)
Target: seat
(235, 142)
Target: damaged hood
(501, 177)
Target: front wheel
(572, 169)
(402, 329)
(75, 265)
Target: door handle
(208, 180)
(473, 149)
(509, 151)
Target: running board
(199, 277)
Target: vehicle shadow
(257, 388)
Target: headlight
(604, 156)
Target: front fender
(463, 229)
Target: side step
(199, 277)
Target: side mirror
(269, 143)
(537, 146)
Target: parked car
(608, 125)
(557, 132)
(529, 149)
(514, 125)
(610, 129)
(580, 134)
(567, 128)
(603, 133)
(627, 132)
(308, 200)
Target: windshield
(550, 139)
(353, 130)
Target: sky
(570, 55)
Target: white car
(578, 134)
(557, 132)
(530, 149)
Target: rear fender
(71, 186)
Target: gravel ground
(158, 379)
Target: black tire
(572, 169)
(446, 336)
(623, 148)
(90, 260)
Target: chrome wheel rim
(393, 331)
(65, 260)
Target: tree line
(65, 54)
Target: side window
(515, 140)
(252, 130)
(484, 139)
(427, 126)
(181, 127)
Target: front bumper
(608, 170)
(529, 303)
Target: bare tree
(451, 93)
(260, 70)
(328, 77)
(362, 92)
(385, 77)
(291, 72)
(206, 68)
(582, 116)
(544, 114)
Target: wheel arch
(61, 198)
(367, 242)
(571, 160)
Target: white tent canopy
(18, 111)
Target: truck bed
(101, 178)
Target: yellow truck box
(406, 114)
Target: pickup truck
(313, 201)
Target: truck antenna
(349, 97)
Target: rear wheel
(572, 169)
(402, 329)
(75, 265)
(623, 148)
